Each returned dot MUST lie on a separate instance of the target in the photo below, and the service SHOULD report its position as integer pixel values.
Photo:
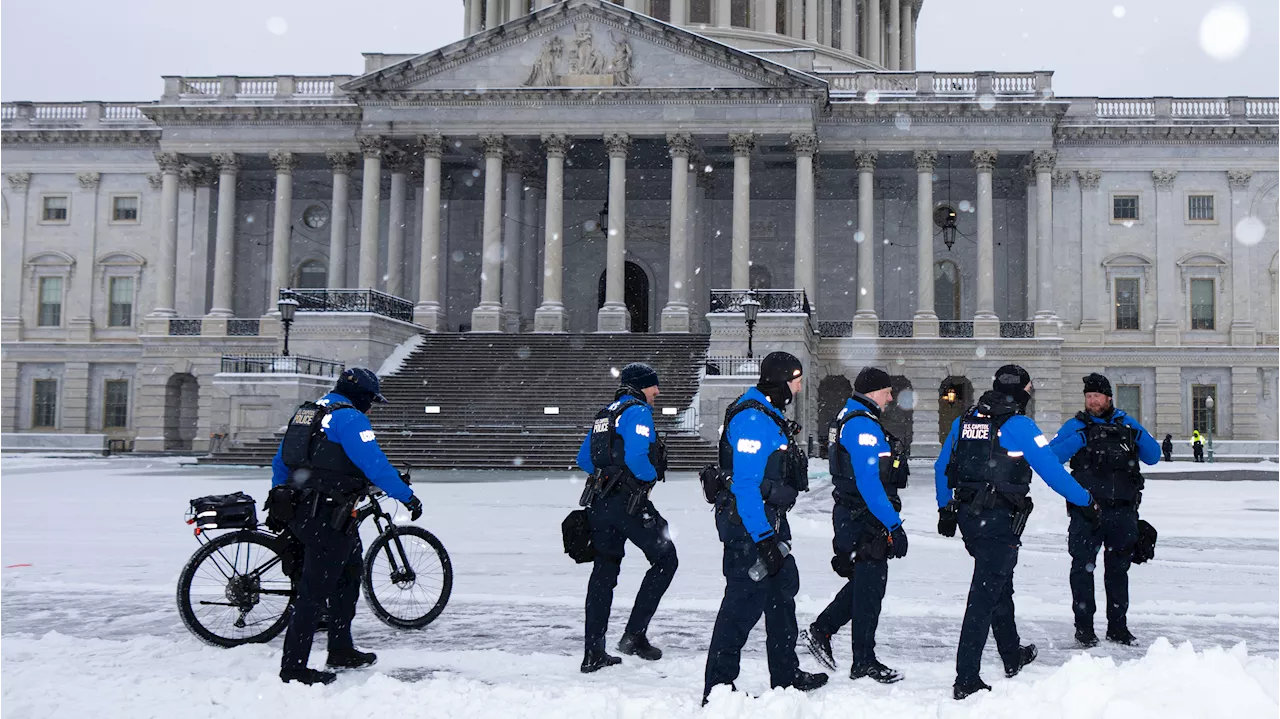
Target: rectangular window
(1128, 301)
(1200, 208)
(1202, 310)
(115, 404)
(55, 209)
(44, 409)
(1202, 417)
(1124, 207)
(50, 313)
(124, 209)
(661, 9)
(1129, 398)
(700, 11)
(120, 312)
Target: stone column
(511, 247)
(874, 32)
(828, 21)
(795, 18)
(487, 316)
(908, 30)
(675, 316)
(679, 12)
(551, 315)
(1029, 205)
(613, 316)
(1046, 317)
(985, 321)
(78, 307)
(865, 321)
(428, 311)
(849, 26)
(529, 250)
(515, 9)
(724, 13)
(282, 230)
(926, 320)
(14, 252)
(743, 143)
(167, 263)
(492, 14)
(1242, 326)
(1169, 291)
(475, 16)
(342, 163)
(224, 252)
(893, 57)
(1092, 321)
(398, 163)
(805, 145)
(372, 148)
(768, 17)
(811, 20)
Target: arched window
(760, 278)
(312, 274)
(946, 290)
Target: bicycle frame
(383, 521)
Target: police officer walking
(982, 477)
(1197, 445)
(327, 460)
(867, 470)
(1167, 447)
(624, 456)
(766, 470)
(1104, 446)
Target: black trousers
(331, 568)
(1118, 533)
(989, 539)
(1198, 451)
(860, 599)
(611, 529)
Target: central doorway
(955, 394)
(635, 293)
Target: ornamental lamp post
(1208, 403)
(287, 306)
(750, 310)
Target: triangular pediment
(591, 44)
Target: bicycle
(239, 587)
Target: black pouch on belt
(1021, 513)
(639, 495)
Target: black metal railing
(841, 328)
(1018, 330)
(243, 328)
(280, 364)
(185, 327)
(954, 328)
(344, 300)
(771, 301)
(896, 328)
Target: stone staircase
(471, 401)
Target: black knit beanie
(871, 379)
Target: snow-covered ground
(91, 551)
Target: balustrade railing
(351, 300)
(279, 364)
(835, 329)
(62, 115)
(254, 89)
(1018, 330)
(895, 328)
(911, 83)
(771, 301)
(955, 329)
(733, 365)
(1159, 110)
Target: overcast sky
(92, 50)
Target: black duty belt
(990, 498)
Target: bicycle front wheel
(407, 577)
(234, 590)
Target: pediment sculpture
(587, 66)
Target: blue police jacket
(351, 429)
(1018, 434)
(865, 442)
(635, 426)
(753, 437)
(1070, 439)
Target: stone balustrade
(944, 85)
(1170, 110)
(80, 115)
(232, 89)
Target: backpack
(575, 530)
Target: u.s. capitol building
(592, 167)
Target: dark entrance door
(955, 394)
(181, 411)
(635, 294)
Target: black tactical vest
(893, 468)
(788, 466)
(977, 458)
(1107, 465)
(316, 461)
(608, 451)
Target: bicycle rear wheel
(407, 577)
(234, 590)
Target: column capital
(399, 161)
(925, 160)
(372, 146)
(804, 143)
(156, 179)
(617, 143)
(743, 143)
(18, 180)
(197, 175)
(555, 145)
(285, 162)
(432, 145)
(865, 160)
(1239, 179)
(1062, 179)
(1043, 160)
(1163, 179)
(170, 161)
(341, 162)
(89, 180)
(1088, 179)
(228, 162)
(984, 160)
(680, 144)
(494, 145)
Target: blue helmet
(357, 383)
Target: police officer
(982, 477)
(1197, 445)
(868, 529)
(766, 469)
(625, 456)
(327, 459)
(1104, 446)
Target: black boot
(350, 659)
(1086, 638)
(596, 659)
(960, 689)
(307, 676)
(806, 682)
(1026, 655)
(1121, 635)
(637, 645)
(819, 644)
(876, 671)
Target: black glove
(414, 505)
(898, 543)
(404, 477)
(279, 506)
(947, 521)
(1090, 512)
(770, 554)
(843, 565)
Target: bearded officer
(982, 477)
(625, 456)
(1104, 446)
(327, 460)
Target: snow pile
(396, 359)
